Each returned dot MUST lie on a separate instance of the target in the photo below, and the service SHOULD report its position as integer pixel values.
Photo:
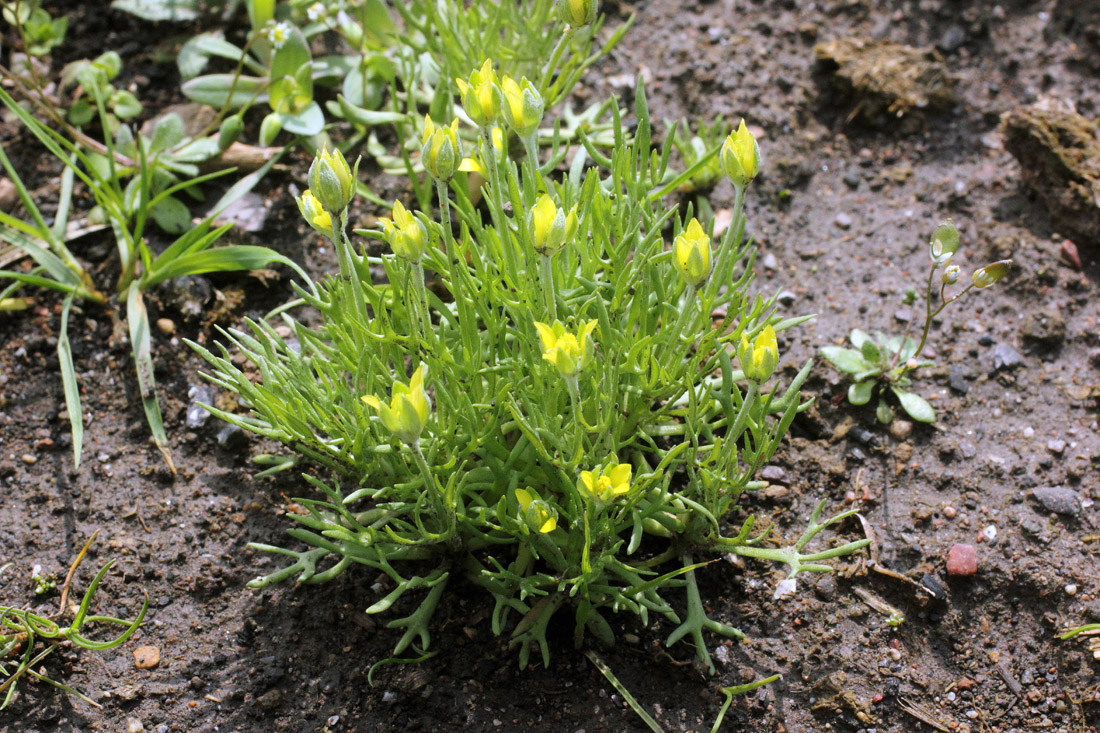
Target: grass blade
(637, 708)
(142, 343)
(68, 379)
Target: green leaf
(309, 121)
(195, 54)
(858, 338)
(142, 344)
(294, 53)
(846, 360)
(156, 10)
(860, 393)
(915, 406)
(365, 117)
(171, 215)
(884, 413)
(125, 104)
(68, 381)
(870, 351)
(168, 133)
(213, 89)
(223, 259)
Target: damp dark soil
(841, 213)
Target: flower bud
(740, 156)
(229, 131)
(691, 254)
(944, 243)
(441, 150)
(950, 275)
(759, 357)
(481, 95)
(409, 408)
(568, 353)
(523, 108)
(270, 128)
(331, 180)
(406, 235)
(551, 228)
(983, 277)
(315, 214)
(536, 513)
(578, 13)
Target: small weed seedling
(880, 365)
(27, 638)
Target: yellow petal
(549, 525)
(546, 336)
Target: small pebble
(1057, 447)
(949, 512)
(842, 220)
(1058, 499)
(962, 560)
(146, 657)
(1071, 589)
(166, 325)
(901, 429)
(1005, 357)
(29, 459)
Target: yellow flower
(537, 514)
(569, 353)
(523, 110)
(481, 95)
(605, 485)
(315, 214)
(578, 13)
(551, 228)
(691, 252)
(740, 156)
(406, 235)
(331, 180)
(759, 359)
(440, 149)
(473, 165)
(983, 277)
(409, 407)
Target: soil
(841, 213)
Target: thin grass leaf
(141, 342)
(637, 708)
(68, 380)
(224, 259)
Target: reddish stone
(962, 560)
(1069, 255)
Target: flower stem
(546, 273)
(440, 506)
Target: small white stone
(989, 532)
(1071, 589)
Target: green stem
(440, 506)
(348, 271)
(546, 276)
(578, 417)
(423, 315)
(496, 208)
(725, 250)
(530, 146)
(685, 307)
(552, 64)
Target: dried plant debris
(1059, 154)
(885, 80)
